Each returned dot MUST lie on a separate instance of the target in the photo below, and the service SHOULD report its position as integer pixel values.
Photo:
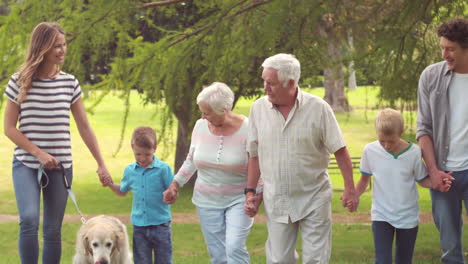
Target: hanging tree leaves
(168, 50)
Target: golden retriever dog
(102, 240)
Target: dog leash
(43, 180)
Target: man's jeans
(225, 231)
(149, 239)
(28, 196)
(447, 213)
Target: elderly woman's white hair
(287, 65)
(218, 96)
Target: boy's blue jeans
(155, 239)
(28, 196)
(447, 213)
(383, 243)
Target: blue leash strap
(72, 196)
(42, 177)
(43, 180)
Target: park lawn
(351, 243)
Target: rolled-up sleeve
(424, 119)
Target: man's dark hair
(455, 30)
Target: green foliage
(407, 43)
(169, 53)
(12, 45)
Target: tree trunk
(183, 143)
(352, 85)
(334, 89)
(184, 131)
(334, 74)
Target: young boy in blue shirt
(396, 166)
(148, 178)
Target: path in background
(188, 218)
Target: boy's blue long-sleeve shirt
(147, 186)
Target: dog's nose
(102, 261)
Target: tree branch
(73, 36)
(255, 3)
(162, 3)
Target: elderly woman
(218, 153)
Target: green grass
(351, 243)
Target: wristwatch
(247, 190)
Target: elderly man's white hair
(287, 65)
(218, 96)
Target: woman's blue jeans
(28, 197)
(447, 213)
(225, 231)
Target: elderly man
(291, 135)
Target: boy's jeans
(149, 239)
(447, 213)
(384, 234)
(225, 231)
(28, 196)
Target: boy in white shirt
(396, 165)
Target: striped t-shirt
(221, 162)
(44, 116)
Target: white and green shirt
(394, 191)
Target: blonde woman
(40, 98)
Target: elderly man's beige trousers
(315, 230)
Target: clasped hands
(171, 194)
(104, 176)
(441, 181)
(252, 203)
(350, 200)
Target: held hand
(47, 160)
(171, 194)
(350, 200)
(104, 176)
(350, 205)
(447, 182)
(252, 202)
(437, 179)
